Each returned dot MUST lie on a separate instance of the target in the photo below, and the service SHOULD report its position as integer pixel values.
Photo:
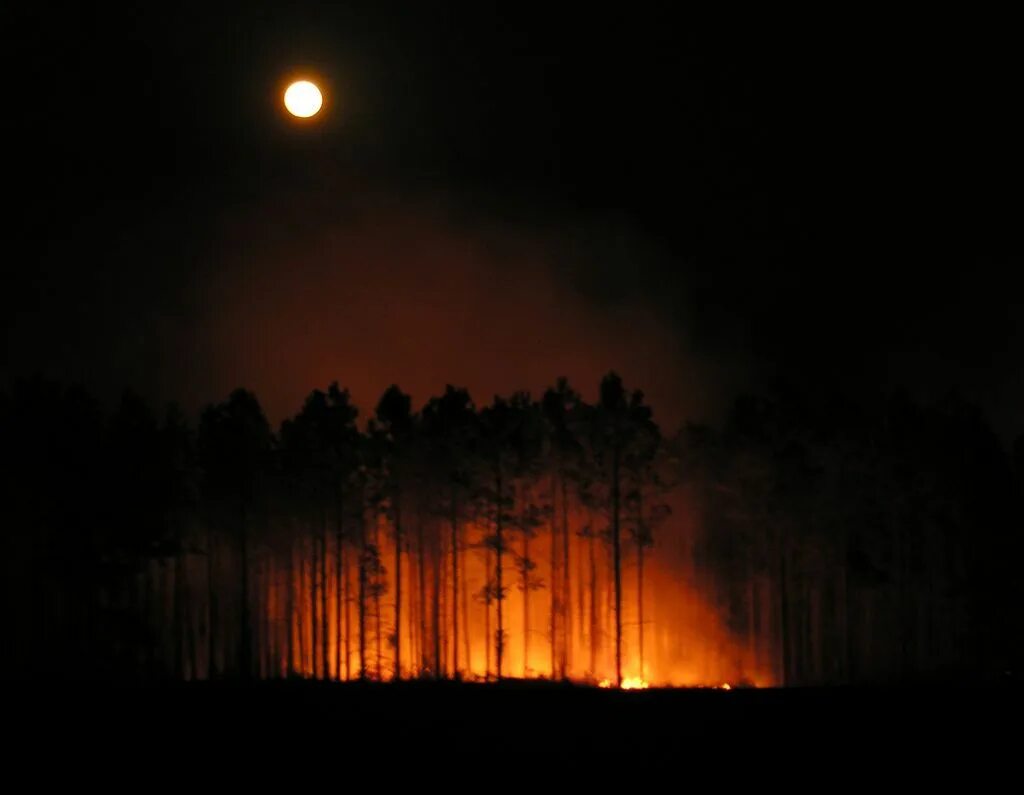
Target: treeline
(873, 541)
(533, 536)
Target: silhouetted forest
(799, 541)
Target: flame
(683, 644)
(629, 683)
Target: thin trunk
(422, 583)
(640, 539)
(290, 613)
(314, 629)
(455, 585)
(302, 597)
(617, 565)
(581, 587)
(784, 611)
(500, 638)
(411, 623)
(465, 615)
(487, 614)
(346, 598)
(339, 567)
(244, 649)
(398, 587)
(260, 609)
(211, 607)
(552, 579)
(376, 626)
(325, 663)
(526, 601)
(593, 607)
(566, 586)
(640, 604)
(179, 616)
(362, 600)
(438, 565)
(190, 629)
(376, 594)
(846, 660)
(443, 601)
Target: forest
(801, 540)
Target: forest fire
(529, 539)
(515, 541)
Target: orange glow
(685, 643)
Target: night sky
(495, 198)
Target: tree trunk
(376, 626)
(339, 567)
(640, 605)
(784, 611)
(397, 674)
(438, 565)
(553, 579)
(566, 586)
(593, 607)
(422, 583)
(487, 614)
(362, 599)
(325, 663)
(455, 585)
(526, 601)
(640, 540)
(376, 595)
(314, 628)
(465, 615)
(244, 650)
(617, 565)
(190, 628)
(211, 607)
(346, 598)
(500, 638)
(290, 613)
(179, 616)
(302, 598)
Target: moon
(303, 99)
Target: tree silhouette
(838, 540)
(234, 448)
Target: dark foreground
(519, 723)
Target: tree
(499, 425)
(621, 424)
(234, 447)
(561, 408)
(450, 434)
(396, 424)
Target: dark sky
(497, 197)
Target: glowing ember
(725, 686)
(629, 683)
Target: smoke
(292, 295)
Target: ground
(520, 723)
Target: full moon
(303, 99)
